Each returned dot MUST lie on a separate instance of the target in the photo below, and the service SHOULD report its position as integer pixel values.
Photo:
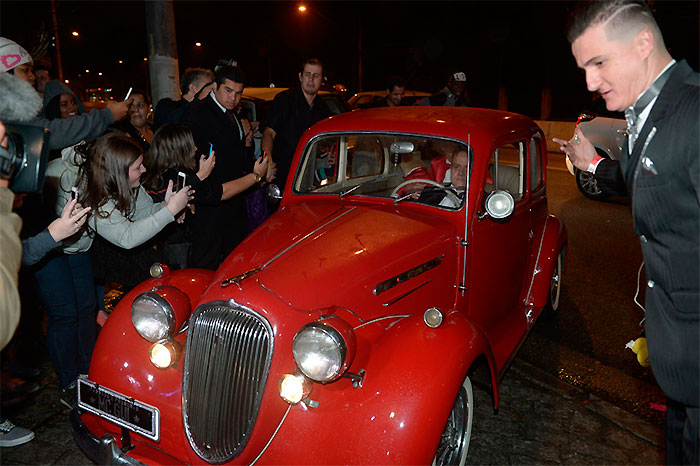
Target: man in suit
(217, 229)
(620, 47)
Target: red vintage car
(346, 328)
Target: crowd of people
(109, 202)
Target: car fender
(411, 377)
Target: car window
(506, 169)
(380, 165)
(247, 111)
(365, 156)
(535, 163)
(335, 103)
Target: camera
(25, 159)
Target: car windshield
(385, 165)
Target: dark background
(517, 47)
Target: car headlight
(153, 317)
(324, 350)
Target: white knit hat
(12, 55)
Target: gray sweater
(146, 220)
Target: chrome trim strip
(407, 275)
(537, 261)
(397, 316)
(272, 437)
(389, 303)
(338, 217)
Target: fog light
(432, 317)
(164, 355)
(294, 388)
(158, 270)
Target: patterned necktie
(632, 113)
(631, 118)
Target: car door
(499, 251)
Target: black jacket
(662, 177)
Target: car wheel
(552, 305)
(454, 443)
(587, 183)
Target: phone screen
(128, 93)
(74, 192)
(181, 179)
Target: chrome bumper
(100, 451)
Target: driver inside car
(460, 160)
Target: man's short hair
(233, 73)
(395, 81)
(194, 75)
(619, 14)
(312, 61)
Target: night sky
(516, 46)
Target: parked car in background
(607, 136)
(364, 99)
(256, 102)
(347, 328)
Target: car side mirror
(499, 205)
(273, 193)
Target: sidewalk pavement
(541, 420)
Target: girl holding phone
(107, 173)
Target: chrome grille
(228, 354)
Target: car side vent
(228, 355)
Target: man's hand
(120, 109)
(71, 221)
(578, 149)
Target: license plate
(120, 409)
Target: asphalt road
(574, 395)
(585, 343)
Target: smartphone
(128, 93)
(211, 149)
(181, 180)
(261, 157)
(74, 192)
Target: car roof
(478, 125)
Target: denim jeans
(66, 288)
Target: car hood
(347, 256)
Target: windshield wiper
(342, 194)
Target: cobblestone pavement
(541, 420)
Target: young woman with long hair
(106, 173)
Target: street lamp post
(59, 66)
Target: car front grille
(228, 354)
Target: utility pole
(162, 50)
(59, 65)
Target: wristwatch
(258, 178)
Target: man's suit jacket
(662, 177)
(226, 219)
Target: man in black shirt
(293, 111)
(396, 88)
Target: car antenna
(464, 243)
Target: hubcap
(589, 183)
(454, 442)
